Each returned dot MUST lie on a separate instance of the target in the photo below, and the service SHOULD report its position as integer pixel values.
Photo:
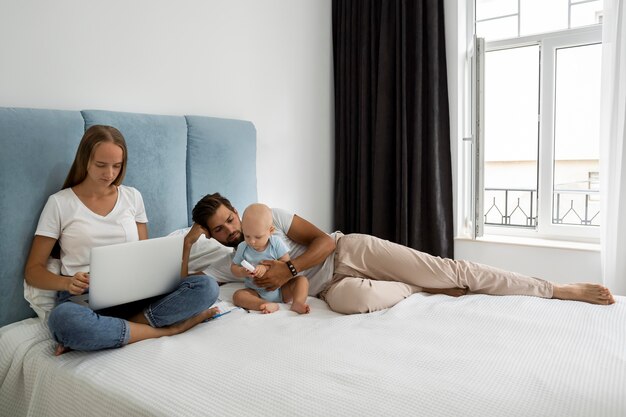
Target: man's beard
(237, 240)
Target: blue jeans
(80, 328)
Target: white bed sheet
(430, 355)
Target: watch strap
(292, 268)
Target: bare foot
(300, 308)
(589, 293)
(268, 308)
(61, 350)
(452, 292)
(185, 325)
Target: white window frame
(548, 44)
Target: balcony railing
(576, 207)
(511, 207)
(517, 207)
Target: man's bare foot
(268, 308)
(185, 325)
(300, 308)
(61, 350)
(452, 292)
(589, 293)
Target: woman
(94, 209)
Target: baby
(259, 244)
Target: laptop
(132, 271)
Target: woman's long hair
(91, 139)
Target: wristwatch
(292, 268)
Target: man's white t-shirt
(78, 229)
(319, 275)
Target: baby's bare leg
(297, 289)
(249, 299)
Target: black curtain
(393, 176)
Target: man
(359, 273)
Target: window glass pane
(511, 136)
(576, 135)
(487, 9)
(541, 16)
(503, 28)
(586, 14)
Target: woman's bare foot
(185, 325)
(267, 308)
(452, 292)
(589, 293)
(300, 308)
(61, 350)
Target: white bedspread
(430, 355)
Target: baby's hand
(259, 271)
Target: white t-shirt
(319, 275)
(78, 229)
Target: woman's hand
(79, 283)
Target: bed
(430, 355)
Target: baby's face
(256, 234)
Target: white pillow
(204, 252)
(43, 301)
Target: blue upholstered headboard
(173, 161)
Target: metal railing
(517, 207)
(583, 209)
(511, 207)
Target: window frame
(548, 43)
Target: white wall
(266, 61)
(552, 263)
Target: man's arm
(319, 247)
(190, 238)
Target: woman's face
(105, 164)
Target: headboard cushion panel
(38, 147)
(156, 163)
(221, 155)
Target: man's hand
(277, 275)
(194, 234)
(191, 237)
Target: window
(535, 106)
(507, 19)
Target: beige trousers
(373, 274)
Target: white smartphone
(247, 265)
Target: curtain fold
(612, 151)
(393, 176)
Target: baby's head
(257, 225)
